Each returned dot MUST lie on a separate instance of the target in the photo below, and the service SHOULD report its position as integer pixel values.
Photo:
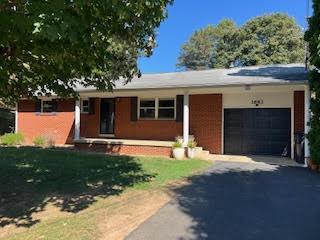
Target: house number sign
(257, 102)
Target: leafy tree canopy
(312, 36)
(209, 47)
(52, 45)
(271, 39)
(268, 39)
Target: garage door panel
(257, 131)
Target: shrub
(313, 40)
(50, 142)
(178, 143)
(39, 141)
(11, 139)
(192, 143)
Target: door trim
(114, 119)
(291, 113)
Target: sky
(187, 16)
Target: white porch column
(16, 119)
(306, 121)
(77, 120)
(185, 118)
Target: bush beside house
(44, 141)
(7, 118)
(312, 36)
(11, 139)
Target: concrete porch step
(200, 153)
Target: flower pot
(312, 165)
(191, 152)
(178, 153)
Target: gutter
(305, 82)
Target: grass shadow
(31, 178)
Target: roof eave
(291, 83)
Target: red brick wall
(143, 129)
(299, 111)
(206, 121)
(90, 123)
(126, 149)
(58, 126)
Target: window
(166, 108)
(85, 106)
(147, 108)
(158, 108)
(47, 106)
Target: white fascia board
(179, 91)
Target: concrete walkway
(281, 161)
(235, 200)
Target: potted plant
(313, 165)
(191, 152)
(178, 149)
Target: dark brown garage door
(257, 131)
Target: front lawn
(56, 194)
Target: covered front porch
(116, 125)
(147, 122)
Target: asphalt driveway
(241, 201)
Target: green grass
(32, 178)
(80, 227)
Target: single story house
(247, 111)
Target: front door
(107, 116)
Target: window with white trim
(147, 108)
(85, 106)
(47, 106)
(166, 108)
(157, 108)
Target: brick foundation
(125, 149)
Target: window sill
(46, 114)
(156, 119)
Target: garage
(257, 131)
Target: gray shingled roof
(256, 75)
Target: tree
(209, 47)
(196, 53)
(269, 39)
(312, 36)
(51, 46)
